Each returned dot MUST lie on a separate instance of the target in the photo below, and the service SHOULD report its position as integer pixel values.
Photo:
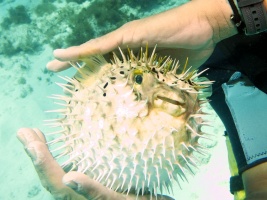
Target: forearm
(218, 15)
(215, 14)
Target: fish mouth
(171, 102)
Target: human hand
(72, 185)
(191, 30)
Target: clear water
(29, 31)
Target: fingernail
(20, 136)
(58, 51)
(49, 65)
(73, 185)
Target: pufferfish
(132, 124)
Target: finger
(47, 168)
(49, 172)
(101, 45)
(27, 135)
(89, 188)
(123, 37)
(40, 134)
(45, 165)
(56, 65)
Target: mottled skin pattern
(132, 125)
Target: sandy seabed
(25, 85)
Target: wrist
(220, 19)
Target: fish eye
(138, 79)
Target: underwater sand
(25, 85)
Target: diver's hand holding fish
(191, 30)
(72, 185)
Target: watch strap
(254, 15)
(236, 18)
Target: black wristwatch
(253, 17)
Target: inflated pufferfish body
(133, 124)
